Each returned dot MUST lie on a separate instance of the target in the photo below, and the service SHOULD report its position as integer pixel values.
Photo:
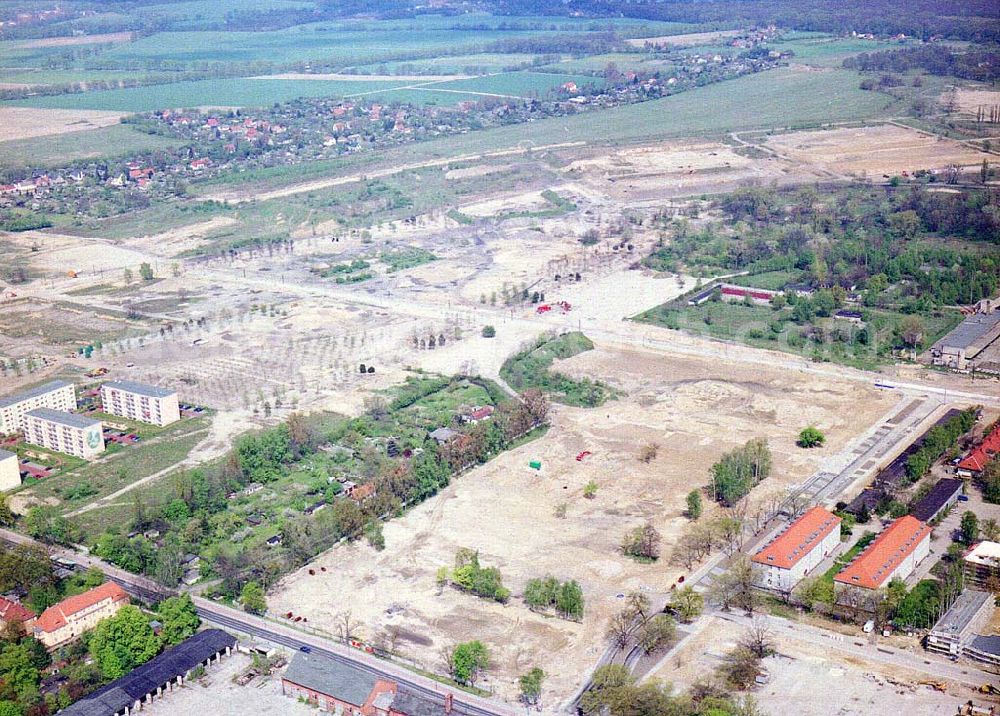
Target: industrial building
(982, 563)
(10, 471)
(895, 553)
(961, 623)
(64, 432)
(56, 395)
(343, 688)
(156, 678)
(794, 553)
(137, 401)
(961, 348)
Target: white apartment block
(796, 552)
(56, 395)
(68, 433)
(136, 401)
(10, 471)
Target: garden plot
(873, 151)
(508, 511)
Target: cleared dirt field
(800, 671)
(873, 151)
(79, 40)
(28, 122)
(690, 39)
(508, 511)
(672, 169)
(970, 100)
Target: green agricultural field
(783, 97)
(113, 141)
(764, 327)
(217, 93)
(198, 12)
(624, 61)
(53, 77)
(518, 84)
(830, 51)
(474, 64)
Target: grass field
(478, 63)
(829, 51)
(778, 98)
(262, 92)
(763, 327)
(56, 150)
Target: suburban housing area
(409, 359)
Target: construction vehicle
(72, 274)
(991, 689)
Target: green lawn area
(224, 92)
(830, 51)
(845, 559)
(124, 466)
(107, 142)
(778, 98)
(770, 280)
(763, 327)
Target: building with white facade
(57, 395)
(137, 401)
(792, 555)
(63, 432)
(10, 471)
(895, 553)
(981, 564)
(967, 618)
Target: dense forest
(971, 64)
(974, 20)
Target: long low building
(342, 688)
(68, 433)
(138, 401)
(794, 553)
(895, 553)
(10, 471)
(156, 677)
(56, 395)
(963, 345)
(935, 503)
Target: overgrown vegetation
(530, 368)
(740, 470)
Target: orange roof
(56, 616)
(871, 569)
(11, 611)
(799, 539)
(977, 460)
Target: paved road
(239, 621)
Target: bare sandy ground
(873, 151)
(801, 671)
(79, 40)
(507, 511)
(27, 122)
(970, 100)
(361, 78)
(690, 39)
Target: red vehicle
(544, 308)
(584, 454)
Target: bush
(810, 437)
(642, 543)
(489, 332)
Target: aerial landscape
(413, 357)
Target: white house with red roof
(67, 620)
(792, 555)
(894, 554)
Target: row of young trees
(740, 470)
